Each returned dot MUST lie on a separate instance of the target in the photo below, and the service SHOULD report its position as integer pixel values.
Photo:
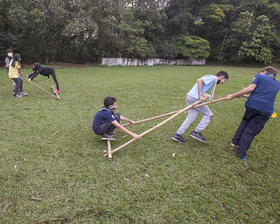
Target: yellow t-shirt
(13, 71)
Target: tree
(257, 48)
(192, 47)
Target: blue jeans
(19, 85)
(107, 127)
(251, 125)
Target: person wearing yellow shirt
(15, 74)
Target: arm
(126, 119)
(20, 72)
(199, 85)
(7, 62)
(125, 130)
(34, 74)
(248, 89)
(31, 74)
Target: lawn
(48, 152)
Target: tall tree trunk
(47, 55)
(221, 49)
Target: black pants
(107, 127)
(54, 79)
(251, 125)
(19, 85)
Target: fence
(149, 62)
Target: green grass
(48, 151)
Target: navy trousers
(107, 127)
(251, 125)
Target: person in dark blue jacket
(259, 107)
(106, 120)
(45, 71)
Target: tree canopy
(84, 31)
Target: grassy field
(48, 151)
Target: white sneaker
(24, 94)
(233, 145)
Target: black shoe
(178, 138)
(17, 96)
(198, 136)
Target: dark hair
(270, 69)
(15, 58)
(109, 101)
(9, 50)
(222, 73)
(36, 65)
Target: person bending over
(199, 93)
(45, 71)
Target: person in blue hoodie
(259, 107)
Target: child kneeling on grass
(105, 121)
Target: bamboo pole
(39, 87)
(165, 115)
(41, 83)
(109, 150)
(192, 106)
(57, 96)
(152, 118)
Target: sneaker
(243, 158)
(13, 93)
(107, 137)
(198, 136)
(178, 138)
(56, 91)
(24, 94)
(234, 145)
(17, 96)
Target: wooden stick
(52, 220)
(152, 118)
(157, 126)
(192, 106)
(55, 133)
(167, 114)
(109, 150)
(6, 207)
(55, 92)
(42, 83)
(35, 199)
(40, 87)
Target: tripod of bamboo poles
(174, 114)
(55, 96)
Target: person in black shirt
(10, 54)
(45, 71)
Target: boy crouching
(105, 121)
